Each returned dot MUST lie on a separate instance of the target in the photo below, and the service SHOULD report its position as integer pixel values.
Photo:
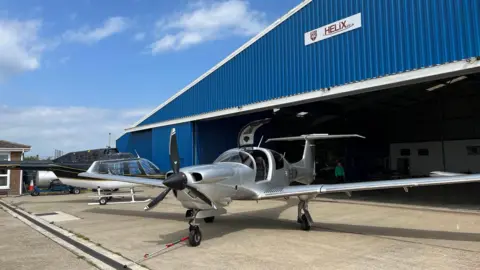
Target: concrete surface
(265, 235)
(21, 247)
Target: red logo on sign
(335, 28)
(313, 35)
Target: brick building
(11, 181)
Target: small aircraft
(255, 173)
(66, 168)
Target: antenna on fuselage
(260, 142)
(137, 153)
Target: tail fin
(305, 168)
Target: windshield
(236, 157)
(132, 167)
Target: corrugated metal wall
(141, 142)
(160, 145)
(396, 36)
(213, 137)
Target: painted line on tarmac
(400, 206)
(99, 256)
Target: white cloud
(111, 26)
(20, 46)
(204, 21)
(64, 128)
(139, 36)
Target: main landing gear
(305, 219)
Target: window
(149, 167)
(4, 181)
(261, 161)
(134, 168)
(405, 152)
(237, 157)
(423, 152)
(278, 160)
(473, 150)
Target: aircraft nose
(176, 181)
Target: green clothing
(339, 171)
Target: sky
(71, 72)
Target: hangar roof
(228, 58)
(277, 68)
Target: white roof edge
(15, 149)
(404, 78)
(228, 58)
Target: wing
(359, 186)
(121, 178)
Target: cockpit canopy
(256, 159)
(235, 156)
(126, 167)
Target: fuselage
(237, 174)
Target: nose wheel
(195, 236)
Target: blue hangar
(403, 73)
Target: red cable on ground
(147, 255)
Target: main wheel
(195, 236)
(102, 201)
(76, 191)
(304, 223)
(209, 219)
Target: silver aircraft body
(256, 173)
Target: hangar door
(136, 142)
(161, 141)
(213, 137)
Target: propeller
(177, 180)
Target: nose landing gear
(195, 235)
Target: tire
(103, 201)
(35, 193)
(304, 223)
(209, 219)
(195, 236)
(76, 191)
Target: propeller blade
(173, 151)
(202, 197)
(157, 199)
(176, 181)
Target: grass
(82, 236)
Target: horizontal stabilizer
(316, 137)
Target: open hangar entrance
(410, 131)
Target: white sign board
(333, 29)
